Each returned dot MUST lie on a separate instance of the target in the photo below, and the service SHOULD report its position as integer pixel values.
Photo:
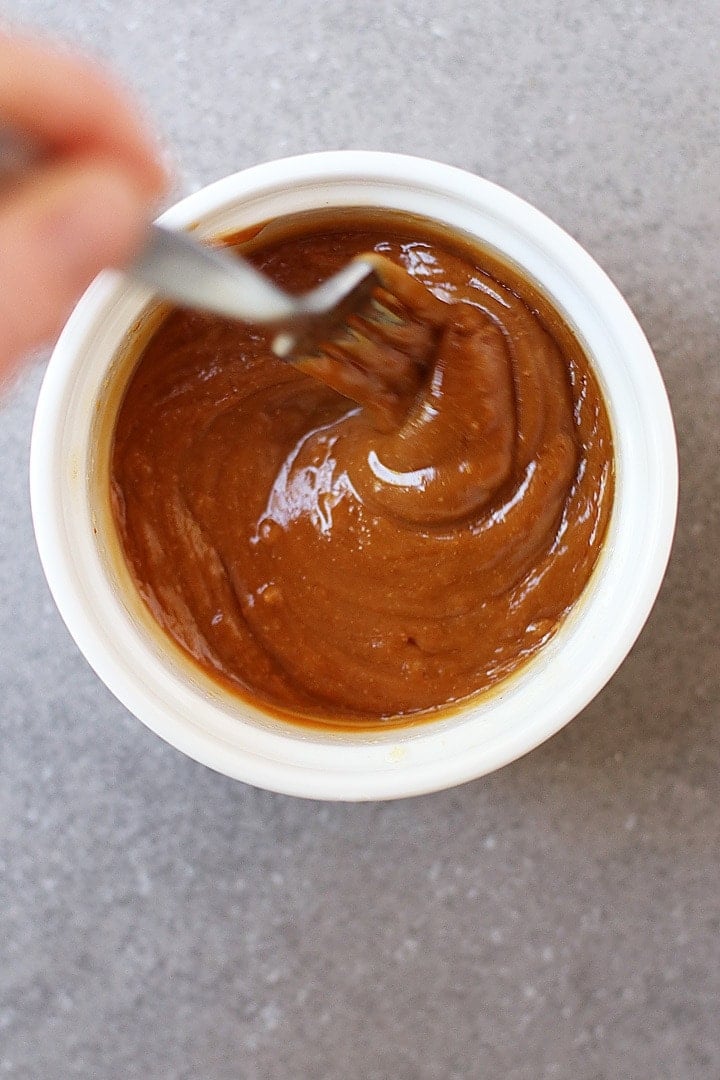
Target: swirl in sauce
(342, 574)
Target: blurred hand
(83, 204)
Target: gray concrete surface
(560, 919)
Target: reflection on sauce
(342, 574)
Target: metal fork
(181, 269)
(367, 331)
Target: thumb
(57, 230)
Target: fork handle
(191, 273)
(176, 265)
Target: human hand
(84, 203)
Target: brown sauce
(338, 573)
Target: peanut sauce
(330, 570)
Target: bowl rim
(405, 761)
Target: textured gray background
(560, 919)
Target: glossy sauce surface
(344, 574)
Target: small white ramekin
(163, 690)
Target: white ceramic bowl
(160, 687)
